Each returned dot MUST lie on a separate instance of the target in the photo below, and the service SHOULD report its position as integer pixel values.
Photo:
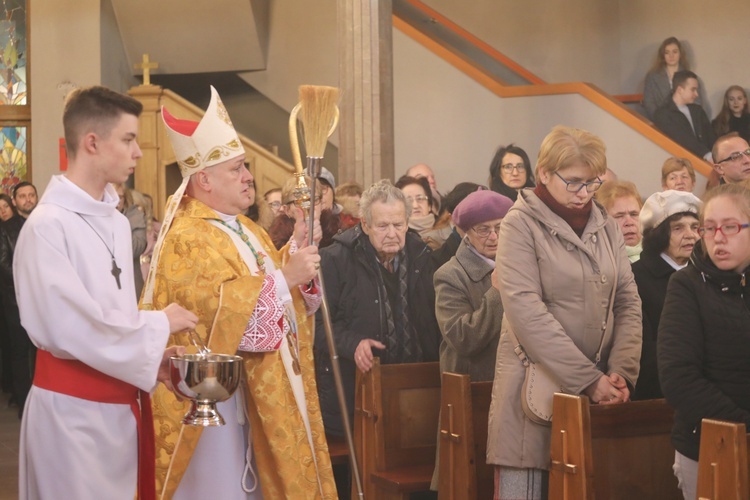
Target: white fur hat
(664, 204)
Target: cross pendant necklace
(116, 271)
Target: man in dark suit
(683, 121)
(22, 351)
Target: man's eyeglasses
(735, 156)
(275, 205)
(575, 186)
(484, 231)
(725, 229)
(420, 198)
(509, 167)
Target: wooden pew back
(395, 427)
(723, 465)
(611, 451)
(465, 407)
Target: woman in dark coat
(704, 334)
(670, 222)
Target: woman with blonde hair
(571, 307)
(703, 344)
(623, 203)
(678, 174)
(734, 115)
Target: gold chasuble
(202, 270)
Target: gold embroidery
(221, 111)
(188, 274)
(214, 155)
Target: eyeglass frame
(598, 183)
(735, 156)
(418, 198)
(495, 230)
(703, 229)
(508, 168)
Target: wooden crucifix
(146, 65)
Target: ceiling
(188, 36)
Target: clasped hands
(609, 389)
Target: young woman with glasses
(703, 346)
(510, 171)
(561, 262)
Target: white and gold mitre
(198, 145)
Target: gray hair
(384, 192)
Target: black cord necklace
(115, 270)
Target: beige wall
(455, 125)
(559, 41)
(612, 44)
(301, 50)
(65, 50)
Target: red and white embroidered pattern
(266, 328)
(312, 297)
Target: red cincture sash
(71, 377)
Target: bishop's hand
(301, 267)
(300, 227)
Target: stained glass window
(12, 157)
(13, 62)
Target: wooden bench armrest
(404, 479)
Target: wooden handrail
(589, 91)
(483, 46)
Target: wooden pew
(723, 465)
(395, 428)
(464, 410)
(337, 450)
(618, 451)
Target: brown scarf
(576, 218)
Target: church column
(366, 80)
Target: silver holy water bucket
(205, 379)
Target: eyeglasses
(484, 231)
(509, 167)
(419, 199)
(735, 156)
(575, 186)
(275, 205)
(725, 229)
